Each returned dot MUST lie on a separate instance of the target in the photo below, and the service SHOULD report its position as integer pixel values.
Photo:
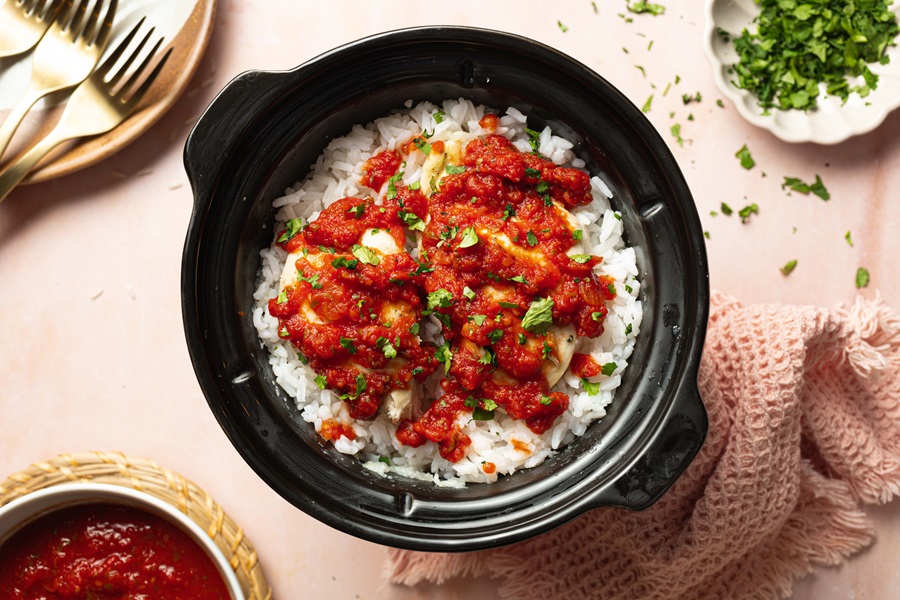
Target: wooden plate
(188, 46)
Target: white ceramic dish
(24, 510)
(832, 122)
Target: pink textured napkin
(804, 429)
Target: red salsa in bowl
(106, 551)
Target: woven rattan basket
(146, 476)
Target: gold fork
(24, 23)
(63, 58)
(97, 105)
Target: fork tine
(114, 80)
(106, 27)
(114, 56)
(89, 31)
(73, 25)
(136, 74)
(139, 93)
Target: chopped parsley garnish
(546, 400)
(640, 6)
(789, 267)
(469, 238)
(580, 258)
(358, 210)
(455, 169)
(321, 382)
(292, 228)
(488, 358)
(365, 255)
(862, 277)
(744, 156)
(414, 329)
(302, 358)
(646, 107)
(676, 133)
(539, 316)
(439, 298)
(392, 186)
(327, 250)
(348, 345)
(422, 145)
(342, 261)
(284, 333)
(522, 339)
(386, 347)
(590, 387)
(480, 414)
(412, 221)
(726, 210)
(543, 188)
(687, 98)
(797, 185)
(529, 172)
(478, 319)
(534, 139)
(438, 116)
(509, 305)
(519, 279)
(444, 355)
(750, 209)
(468, 293)
(531, 239)
(312, 281)
(414, 185)
(546, 350)
(282, 297)
(495, 335)
(799, 45)
(628, 329)
(596, 315)
(576, 234)
(508, 211)
(361, 385)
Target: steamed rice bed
(504, 443)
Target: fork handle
(19, 169)
(16, 115)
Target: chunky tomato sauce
(106, 552)
(496, 268)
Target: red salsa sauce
(106, 551)
(494, 236)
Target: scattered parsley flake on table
(647, 104)
(750, 209)
(726, 210)
(562, 27)
(640, 6)
(799, 45)
(862, 277)
(789, 267)
(744, 155)
(848, 238)
(798, 185)
(676, 132)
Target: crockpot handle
(675, 443)
(224, 121)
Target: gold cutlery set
(67, 44)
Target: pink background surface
(92, 351)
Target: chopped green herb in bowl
(807, 70)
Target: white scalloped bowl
(832, 122)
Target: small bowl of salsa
(94, 540)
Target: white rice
(336, 174)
